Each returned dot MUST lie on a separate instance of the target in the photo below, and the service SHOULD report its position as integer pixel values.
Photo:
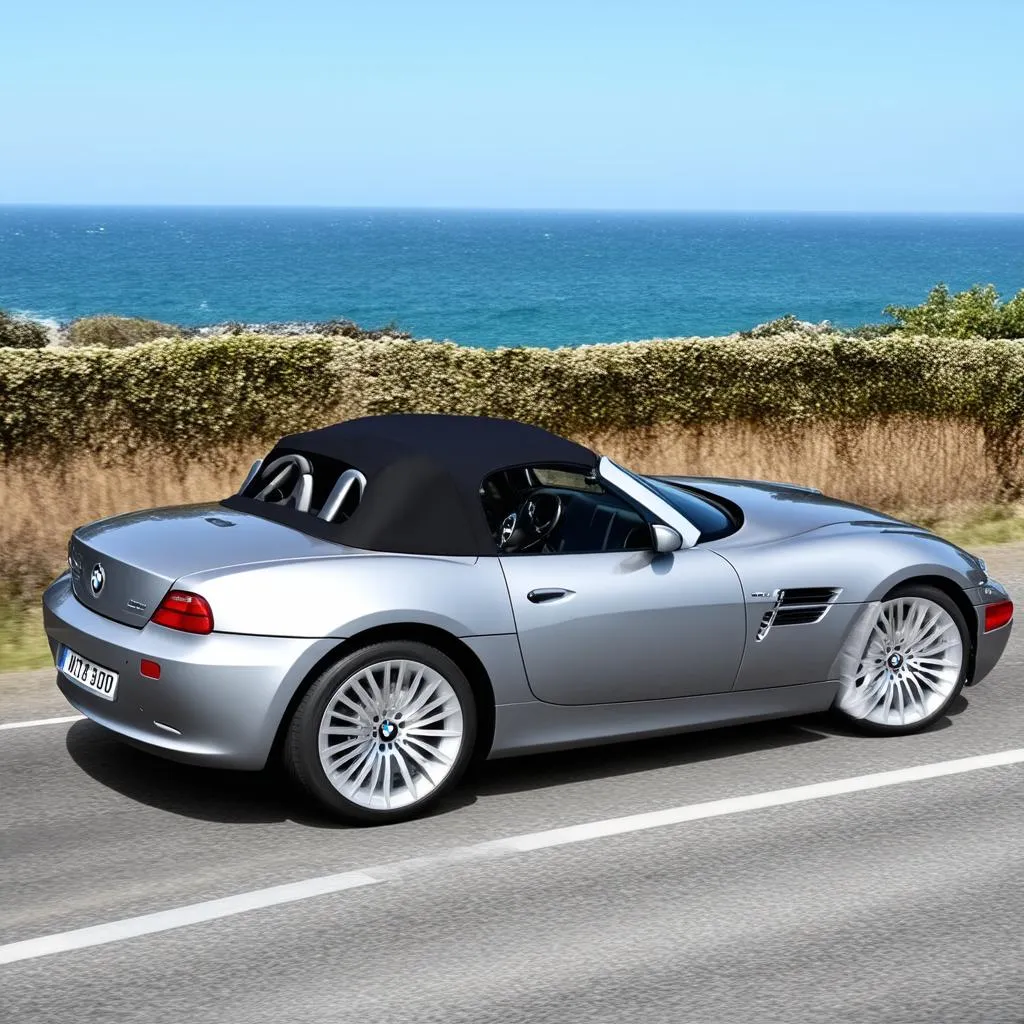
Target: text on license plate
(93, 677)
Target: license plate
(99, 680)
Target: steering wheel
(531, 524)
(287, 480)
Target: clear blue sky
(773, 105)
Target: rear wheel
(383, 732)
(913, 664)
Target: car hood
(773, 511)
(136, 557)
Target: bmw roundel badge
(97, 579)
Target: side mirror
(665, 539)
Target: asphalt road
(897, 904)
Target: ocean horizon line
(581, 210)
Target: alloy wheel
(391, 734)
(910, 666)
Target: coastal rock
(329, 328)
(123, 332)
(19, 332)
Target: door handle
(545, 594)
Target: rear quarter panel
(338, 597)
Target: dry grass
(40, 505)
(935, 473)
(928, 465)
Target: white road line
(759, 801)
(257, 899)
(164, 920)
(40, 721)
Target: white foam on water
(50, 324)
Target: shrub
(975, 313)
(787, 325)
(17, 332)
(868, 331)
(186, 396)
(118, 331)
(326, 328)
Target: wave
(59, 331)
(50, 324)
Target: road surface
(133, 889)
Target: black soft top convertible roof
(423, 476)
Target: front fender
(862, 562)
(916, 554)
(875, 558)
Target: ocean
(493, 278)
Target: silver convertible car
(385, 599)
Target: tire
(913, 665)
(383, 733)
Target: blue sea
(493, 278)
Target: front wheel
(383, 732)
(912, 667)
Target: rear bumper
(990, 646)
(219, 698)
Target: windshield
(711, 519)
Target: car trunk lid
(123, 566)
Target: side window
(558, 510)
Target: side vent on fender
(798, 606)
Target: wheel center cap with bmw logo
(895, 660)
(97, 579)
(388, 730)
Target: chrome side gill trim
(768, 619)
(802, 607)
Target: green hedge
(189, 395)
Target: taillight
(187, 612)
(998, 614)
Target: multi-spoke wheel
(382, 733)
(913, 664)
